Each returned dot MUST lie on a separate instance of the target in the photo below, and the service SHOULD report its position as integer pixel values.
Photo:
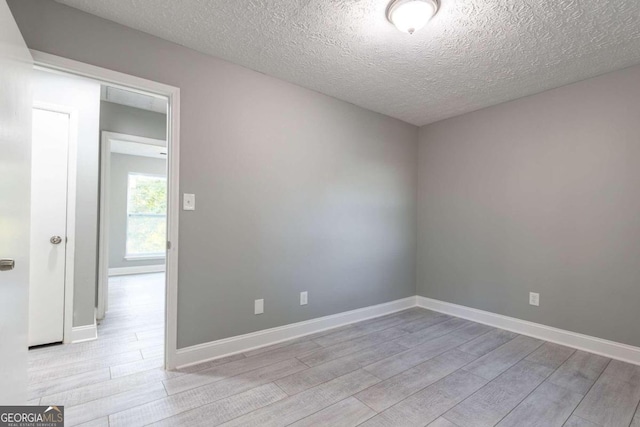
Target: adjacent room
(320, 213)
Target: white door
(49, 165)
(15, 171)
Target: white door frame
(105, 181)
(70, 233)
(129, 82)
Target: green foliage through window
(146, 215)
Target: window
(146, 216)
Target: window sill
(143, 257)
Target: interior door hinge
(168, 244)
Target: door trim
(84, 333)
(70, 232)
(172, 93)
(103, 240)
(103, 228)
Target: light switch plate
(534, 298)
(304, 298)
(258, 306)
(189, 202)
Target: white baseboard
(84, 333)
(611, 349)
(140, 269)
(228, 346)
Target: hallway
(129, 347)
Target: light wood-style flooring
(412, 368)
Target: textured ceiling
(473, 54)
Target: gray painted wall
(295, 190)
(540, 194)
(132, 121)
(83, 96)
(121, 166)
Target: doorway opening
(104, 215)
(133, 208)
(132, 235)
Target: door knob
(7, 264)
(56, 240)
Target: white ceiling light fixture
(410, 15)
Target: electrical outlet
(304, 298)
(258, 306)
(188, 202)
(534, 298)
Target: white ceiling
(133, 99)
(138, 149)
(473, 54)
(136, 145)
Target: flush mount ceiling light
(411, 15)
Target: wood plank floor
(412, 368)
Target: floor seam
(492, 380)
(451, 373)
(414, 347)
(532, 391)
(587, 392)
(633, 417)
(359, 336)
(320, 410)
(365, 403)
